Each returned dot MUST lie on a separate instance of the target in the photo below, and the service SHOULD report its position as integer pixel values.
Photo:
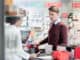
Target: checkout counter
(45, 54)
(45, 50)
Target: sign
(64, 15)
(76, 5)
(57, 4)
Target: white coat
(13, 44)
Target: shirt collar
(57, 21)
(13, 26)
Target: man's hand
(36, 44)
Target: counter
(45, 57)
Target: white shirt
(6, 25)
(13, 44)
(56, 22)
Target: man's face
(53, 16)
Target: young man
(57, 34)
(13, 42)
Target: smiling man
(57, 34)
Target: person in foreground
(13, 42)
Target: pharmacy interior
(35, 25)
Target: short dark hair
(53, 9)
(12, 19)
(70, 15)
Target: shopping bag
(60, 55)
(77, 53)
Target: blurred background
(36, 21)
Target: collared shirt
(56, 22)
(13, 44)
(7, 25)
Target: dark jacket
(57, 35)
